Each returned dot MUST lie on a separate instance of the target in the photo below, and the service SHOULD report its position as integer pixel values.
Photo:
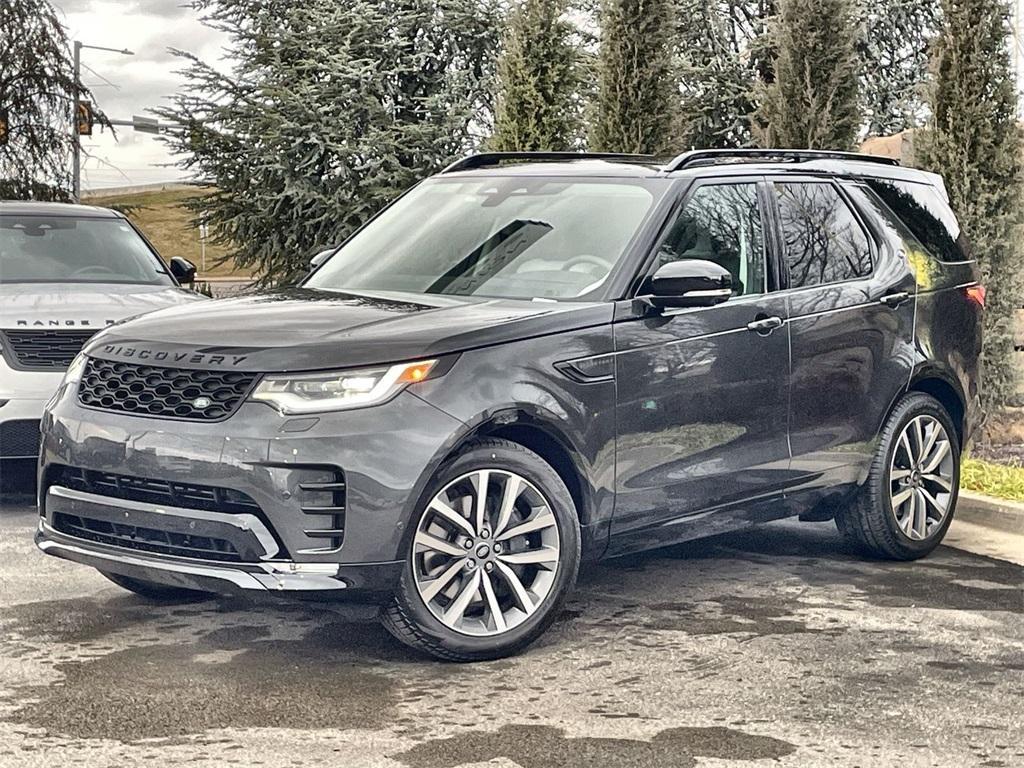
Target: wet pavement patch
(230, 678)
(976, 670)
(951, 586)
(539, 746)
(946, 580)
(83, 620)
(720, 615)
(732, 614)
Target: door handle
(764, 325)
(893, 300)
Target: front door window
(721, 223)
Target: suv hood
(301, 329)
(78, 306)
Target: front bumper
(23, 397)
(214, 577)
(19, 428)
(385, 454)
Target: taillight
(976, 293)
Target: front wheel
(494, 553)
(907, 503)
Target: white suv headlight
(339, 390)
(72, 377)
(73, 374)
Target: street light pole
(76, 138)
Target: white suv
(66, 272)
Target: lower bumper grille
(206, 497)
(145, 539)
(159, 516)
(19, 439)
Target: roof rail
(490, 159)
(712, 156)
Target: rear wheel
(494, 553)
(907, 503)
(155, 592)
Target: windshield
(66, 249)
(515, 237)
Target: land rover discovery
(527, 361)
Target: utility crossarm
(489, 159)
(698, 157)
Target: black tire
(409, 619)
(868, 521)
(157, 593)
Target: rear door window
(822, 238)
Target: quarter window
(824, 242)
(928, 215)
(721, 223)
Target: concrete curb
(1007, 516)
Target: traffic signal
(85, 118)
(4, 127)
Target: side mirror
(688, 283)
(321, 257)
(184, 271)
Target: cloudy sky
(143, 81)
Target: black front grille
(188, 495)
(43, 350)
(178, 393)
(19, 439)
(146, 539)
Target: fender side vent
(588, 370)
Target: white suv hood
(82, 305)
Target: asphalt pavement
(776, 646)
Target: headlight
(73, 374)
(338, 390)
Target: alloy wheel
(921, 476)
(486, 552)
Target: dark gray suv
(527, 361)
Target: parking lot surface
(775, 646)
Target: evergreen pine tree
(636, 108)
(812, 102)
(716, 42)
(724, 48)
(893, 50)
(974, 141)
(538, 106)
(37, 96)
(327, 112)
